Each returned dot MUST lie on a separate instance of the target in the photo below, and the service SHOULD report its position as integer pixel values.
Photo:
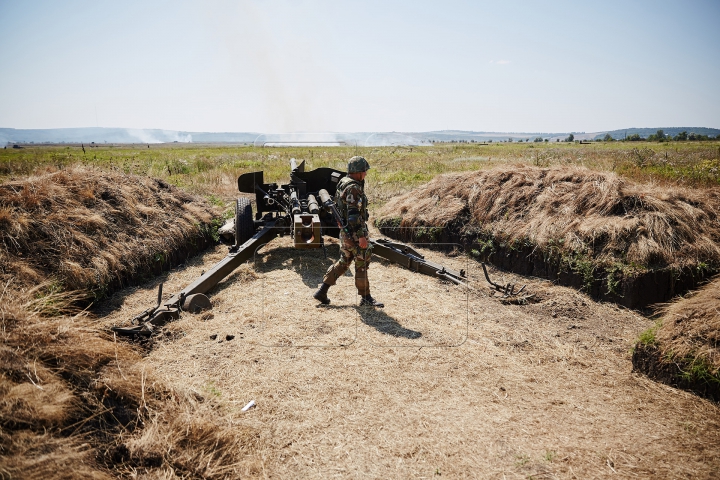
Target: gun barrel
(325, 197)
(312, 204)
(295, 203)
(329, 203)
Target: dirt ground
(442, 382)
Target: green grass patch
(649, 336)
(199, 167)
(697, 369)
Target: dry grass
(75, 402)
(91, 231)
(212, 170)
(571, 210)
(185, 437)
(438, 382)
(690, 329)
(35, 399)
(47, 387)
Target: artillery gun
(303, 209)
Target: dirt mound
(683, 349)
(631, 243)
(83, 229)
(74, 402)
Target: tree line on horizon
(659, 136)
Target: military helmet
(358, 164)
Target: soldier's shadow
(384, 323)
(309, 264)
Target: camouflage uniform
(352, 204)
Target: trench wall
(648, 360)
(636, 290)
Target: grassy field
(211, 170)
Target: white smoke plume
(375, 139)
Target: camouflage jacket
(352, 204)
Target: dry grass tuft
(571, 210)
(29, 454)
(690, 329)
(92, 231)
(187, 436)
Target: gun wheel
(244, 224)
(196, 303)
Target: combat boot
(369, 301)
(321, 294)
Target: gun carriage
(303, 209)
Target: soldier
(352, 204)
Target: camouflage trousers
(349, 251)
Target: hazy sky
(280, 66)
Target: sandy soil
(442, 382)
